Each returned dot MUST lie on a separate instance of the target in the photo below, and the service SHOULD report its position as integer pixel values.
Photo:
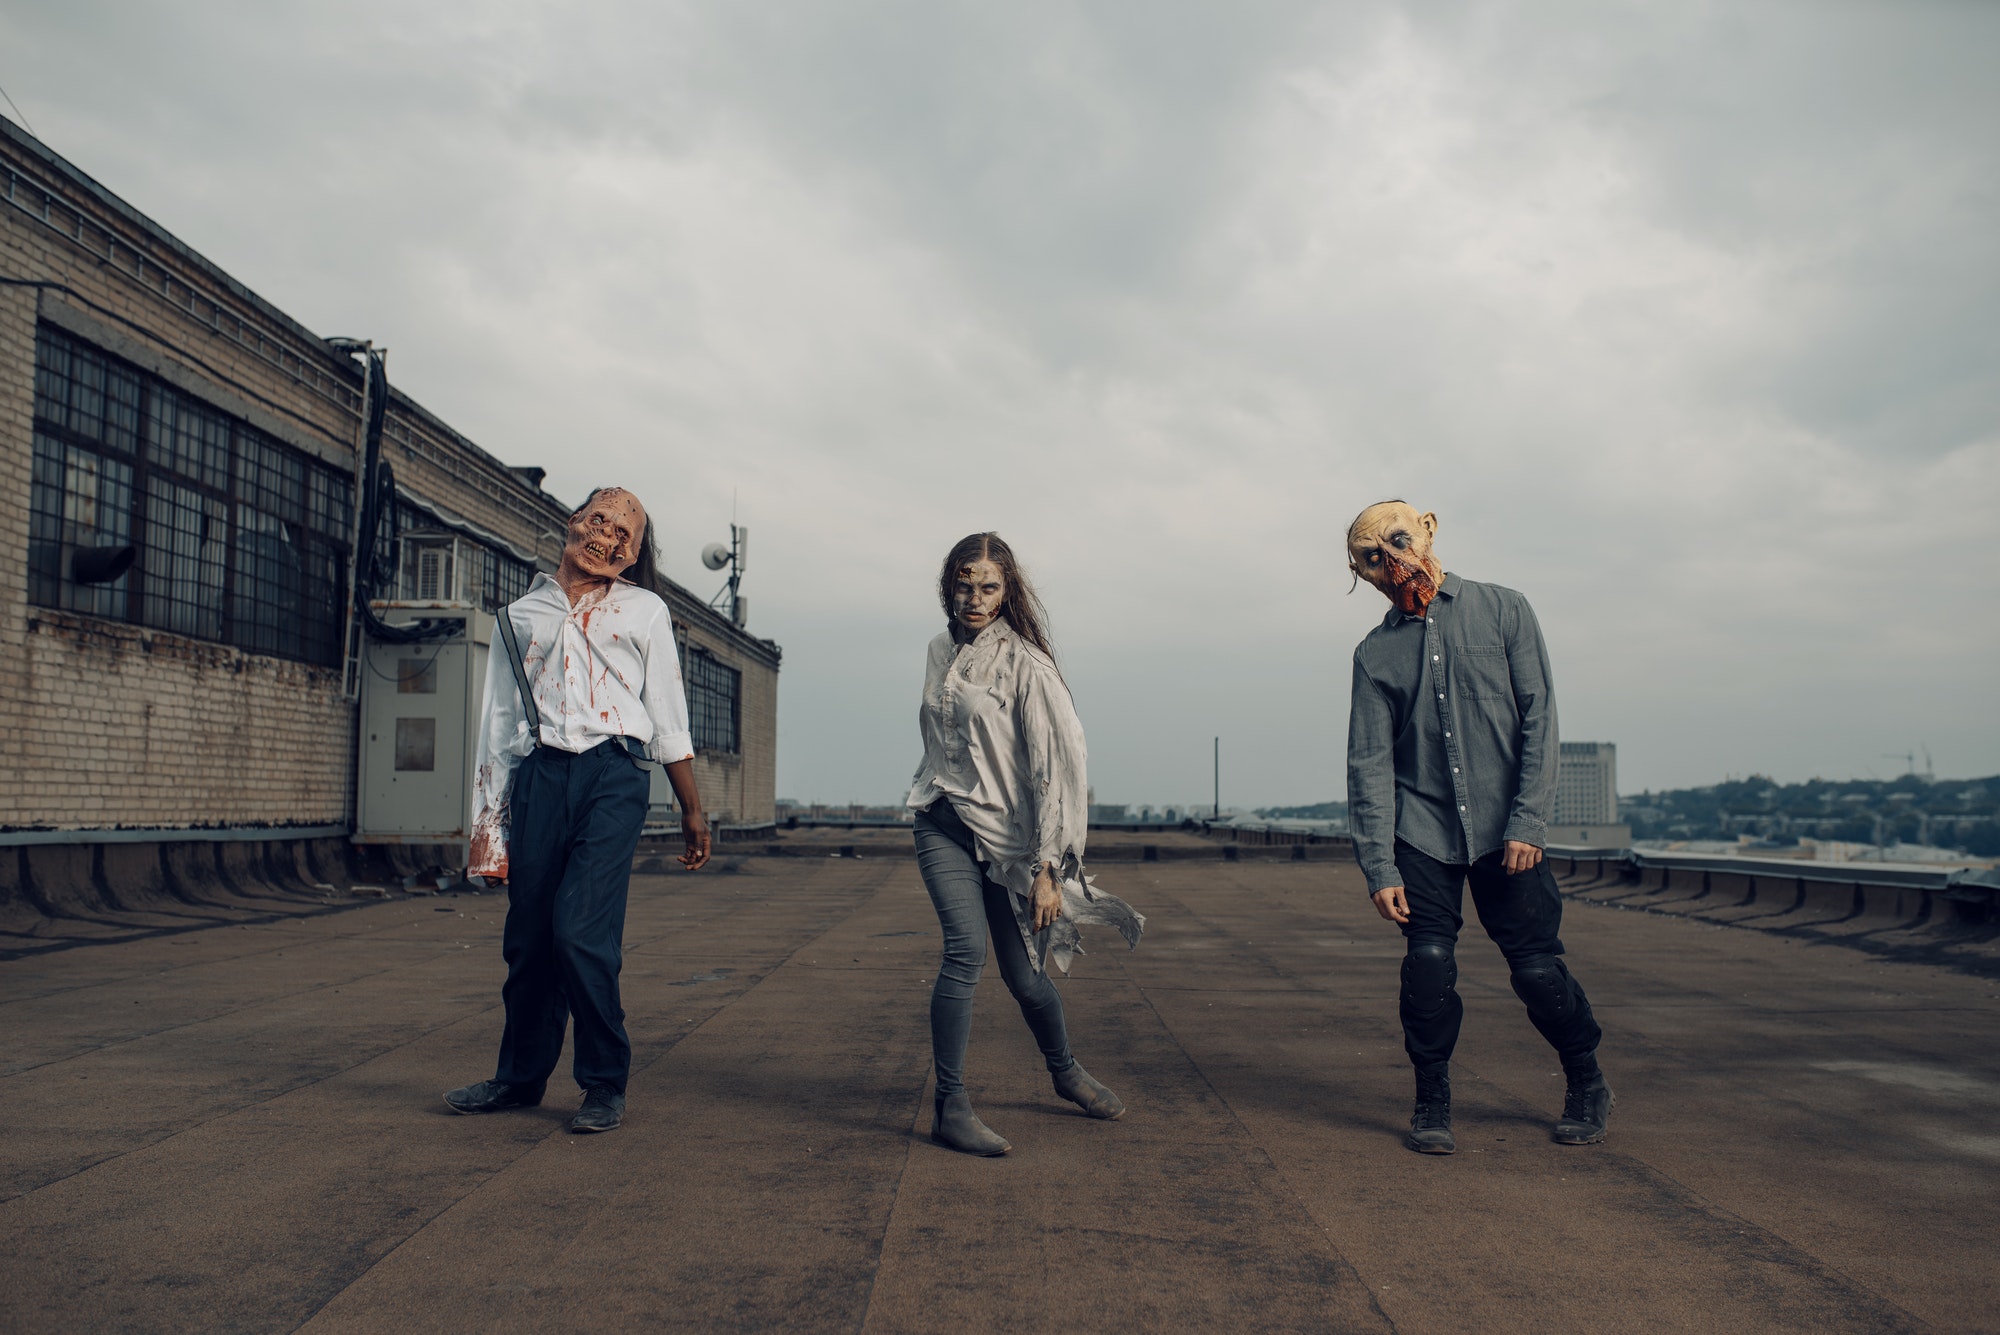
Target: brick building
(178, 463)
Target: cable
(373, 571)
(18, 113)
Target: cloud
(1680, 317)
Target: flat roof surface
(238, 1128)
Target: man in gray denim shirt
(1451, 767)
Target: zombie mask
(1389, 545)
(977, 593)
(604, 536)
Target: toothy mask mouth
(1412, 585)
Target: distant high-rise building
(1586, 784)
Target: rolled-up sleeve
(1534, 700)
(1371, 781)
(665, 695)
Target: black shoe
(1081, 1088)
(956, 1128)
(602, 1110)
(1430, 1120)
(1586, 1112)
(493, 1096)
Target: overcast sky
(1683, 317)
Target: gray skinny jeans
(968, 907)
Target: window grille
(239, 538)
(713, 691)
(451, 566)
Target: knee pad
(1429, 974)
(1542, 984)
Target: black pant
(576, 824)
(1523, 914)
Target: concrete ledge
(1914, 912)
(54, 896)
(238, 834)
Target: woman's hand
(1047, 900)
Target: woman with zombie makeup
(560, 793)
(1002, 813)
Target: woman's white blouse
(1002, 741)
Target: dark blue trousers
(576, 824)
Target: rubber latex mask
(604, 536)
(1389, 545)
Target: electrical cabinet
(420, 711)
(420, 715)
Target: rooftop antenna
(716, 556)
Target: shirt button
(1447, 734)
(1434, 658)
(1440, 695)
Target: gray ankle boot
(1078, 1086)
(956, 1128)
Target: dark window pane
(78, 501)
(265, 607)
(187, 535)
(51, 379)
(121, 409)
(712, 690)
(86, 395)
(245, 538)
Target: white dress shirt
(1002, 741)
(603, 668)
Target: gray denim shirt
(1451, 737)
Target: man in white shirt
(557, 808)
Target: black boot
(1430, 1120)
(1081, 1088)
(954, 1127)
(1586, 1109)
(493, 1096)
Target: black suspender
(507, 637)
(520, 666)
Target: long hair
(645, 568)
(1020, 605)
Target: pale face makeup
(976, 595)
(604, 536)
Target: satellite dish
(715, 556)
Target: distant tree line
(1949, 813)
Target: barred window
(713, 696)
(441, 565)
(238, 538)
